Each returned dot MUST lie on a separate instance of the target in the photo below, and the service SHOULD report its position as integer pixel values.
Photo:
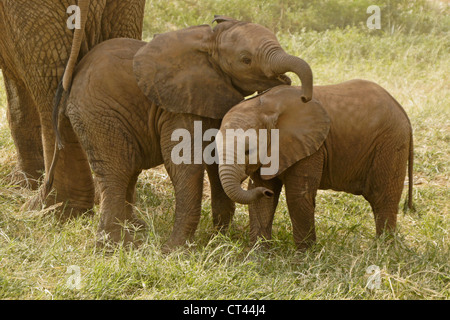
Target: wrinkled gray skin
(35, 46)
(128, 97)
(352, 137)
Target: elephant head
(205, 71)
(302, 129)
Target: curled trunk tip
(231, 177)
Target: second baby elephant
(353, 137)
(128, 98)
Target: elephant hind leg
(384, 204)
(25, 127)
(385, 185)
(385, 218)
(116, 207)
(114, 158)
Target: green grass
(409, 56)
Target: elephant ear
(176, 72)
(303, 127)
(220, 19)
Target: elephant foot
(66, 213)
(171, 246)
(117, 237)
(137, 222)
(261, 244)
(23, 180)
(33, 204)
(63, 211)
(168, 248)
(305, 245)
(176, 243)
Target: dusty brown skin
(351, 137)
(128, 97)
(35, 45)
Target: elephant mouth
(243, 92)
(282, 79)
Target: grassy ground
(409, 56)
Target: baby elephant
(351, 137)
(130, 100)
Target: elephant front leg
(187, 180)
(25, 129)
(186, 175)
(262, 212)
(301, 183)
(301, 205)
(221, 205)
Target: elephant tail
(409, 200)
(76, 44)
(58, 140)
(55, 115)
(51, 173)
(66, 81)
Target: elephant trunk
(76, 44)
(231, 177)
(282, 62)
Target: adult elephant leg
(25, 129)
(262, 211)
(222, 207)
(73, 183)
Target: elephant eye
(246, 60)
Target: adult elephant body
(129, 97)
(35, 47)
(353, 137)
